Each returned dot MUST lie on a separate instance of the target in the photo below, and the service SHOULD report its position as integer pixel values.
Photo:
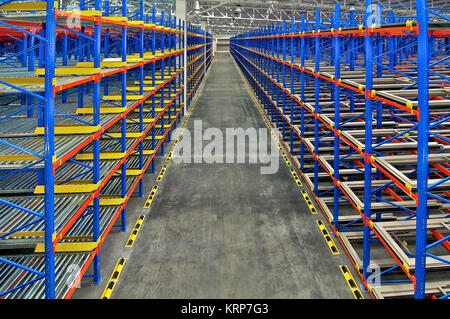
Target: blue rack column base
(153, 166)
(123, 217)
(96, 277)
(141, 189)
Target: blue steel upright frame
(73, 161)
(352, 92)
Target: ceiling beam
(211, 8)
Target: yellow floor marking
(327, 237)
(135, 232)
(161, 174)
(309, 202)
(351, 282)
(296, 178)
(150, 197)
(286, 159)
(113, 279)
(169, 156)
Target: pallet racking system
(199, 57)
(89, 96)
(362, 103)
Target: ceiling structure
(227, 18)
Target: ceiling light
(197, 6)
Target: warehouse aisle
(225, 230)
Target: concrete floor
(223, 230)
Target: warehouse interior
(225, 149)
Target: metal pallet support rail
(89, 97)
(346, 92)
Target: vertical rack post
(123, 79)
(302, 94)
(49, 149)
(422, 147)
(284, 32)
(141, 92)
(368, 143)
(96, 148)
(292, 69)
(337, 112)
(317, 104)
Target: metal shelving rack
(199, 58)
(89, 96)
(346, 93)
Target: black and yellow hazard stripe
(280, 148)
(150, 197)
(161, 173)
(287, 161)
(327, 237)
(113, 279)
(351, 282)
(296, 178)
(169, 157)
(309, 202)
(135, 232)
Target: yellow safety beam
(129, 97)
(134, 59)
(131, 171)
(62, 129)
(137, 88)
(69, 247)
(117, 18)
(103, 110)
(148, 152)
(110, 201)
(70, 71)
(103, 155)
(18, 157)
(103, 64)
(157, 137)
(88, 13)
(23, 80)
(24, 234)
(27, 6)
(72, 187)
(127, 135)
(157, 82)
(158, 100)
(144, 120)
